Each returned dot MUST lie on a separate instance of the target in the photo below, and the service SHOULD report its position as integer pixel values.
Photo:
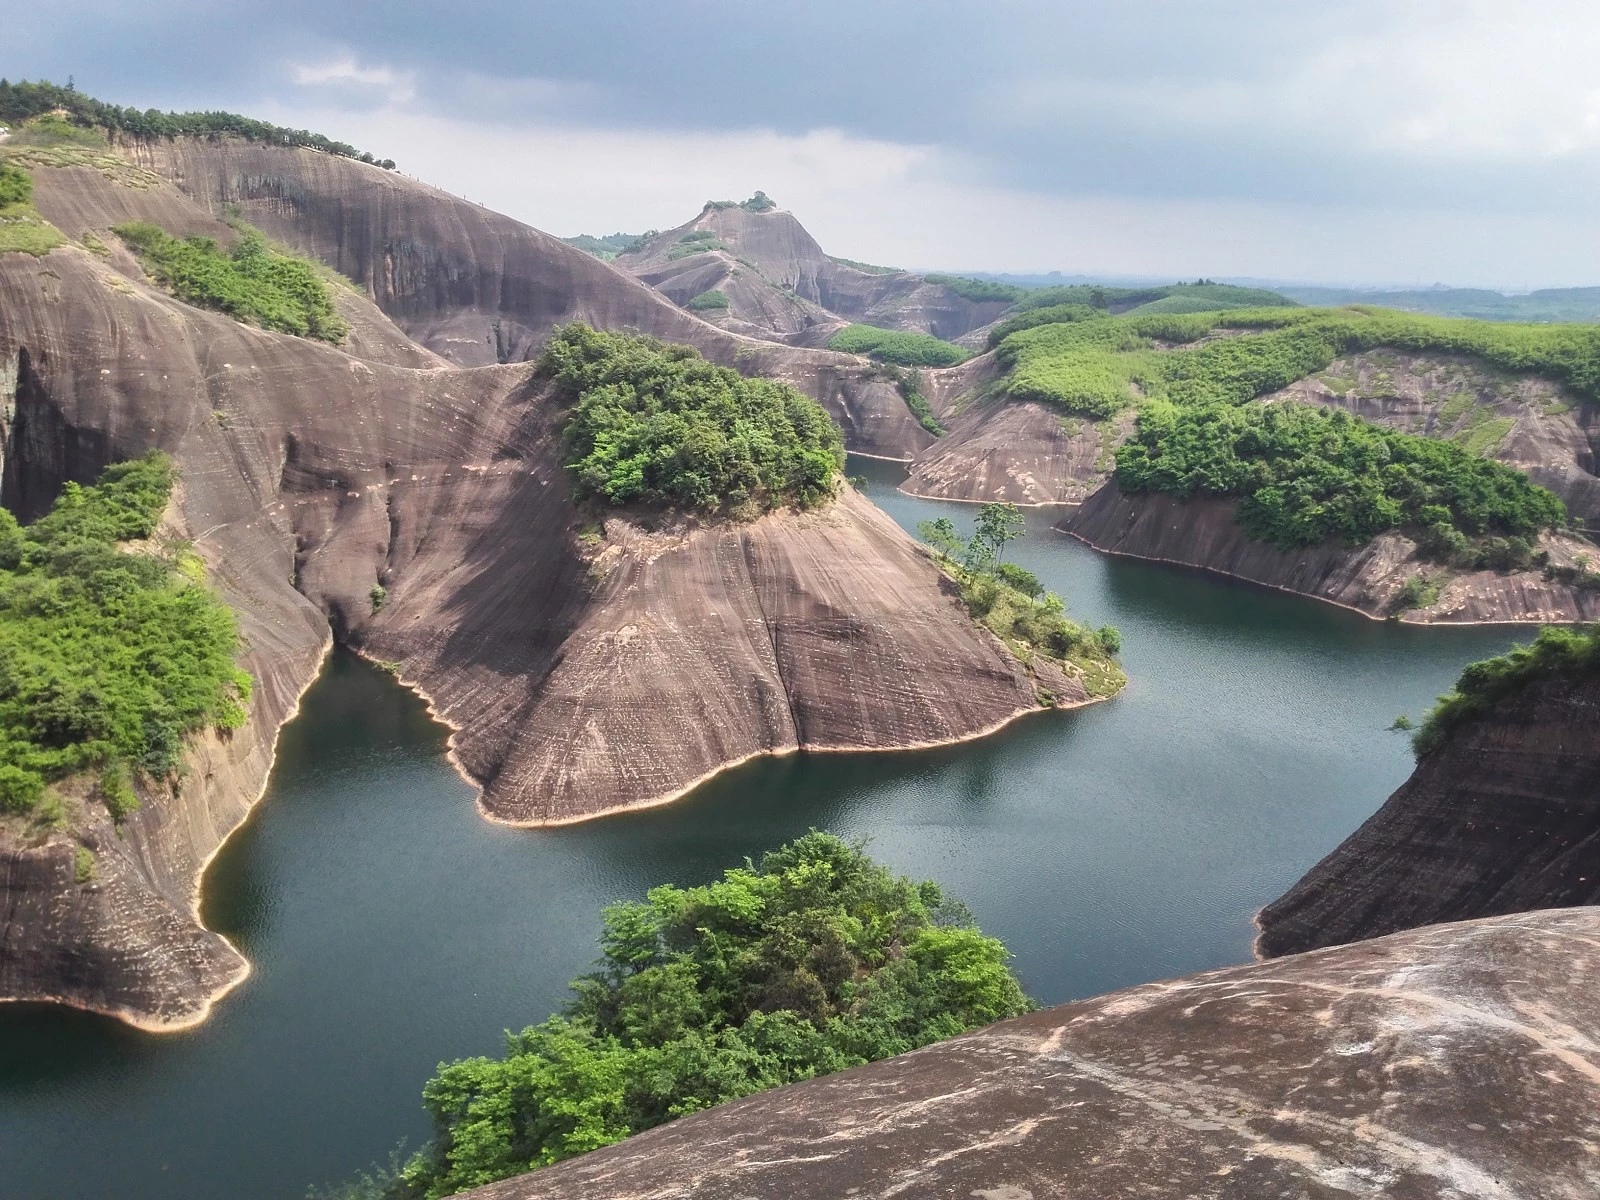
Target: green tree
(997, 524)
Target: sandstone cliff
(1203, 533)
(782, 285)
(581, 677)
(1457, 1061)
(1504, 817)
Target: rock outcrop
(780, 283)
(1455, 1061)
(582, 675)
(1503, 817)
(1204, 533)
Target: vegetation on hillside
(22, 229)
(653, 423)
(815, 960)
(108, 657)
(1303, 474)
(758, 203)
(708, 301)
(608, 246)
(1012, 603)
(869, 268)
(1545, 305)
(22, 100)
(251, 283)
(1483, 685)
(894, 346)
(696, 241)
(979, 291)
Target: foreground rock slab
(1455, 1061)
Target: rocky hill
(403, 492)
(1459, 1060)
(778, 282)
(1502, 816)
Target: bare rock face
(1021, 453)
(1203, 533)
(581, 678)
(783, 285)
(1504, 817)
(1455, 1061)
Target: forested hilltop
(24, 99)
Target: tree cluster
(653, 423)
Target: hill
(1545, 305)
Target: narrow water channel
(391, 927)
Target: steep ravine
(1503, 817)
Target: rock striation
(582, 674)
(1456, 1061)
(1503, 817)
(1204, 533)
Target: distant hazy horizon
(1409, 143)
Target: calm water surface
(390, 926)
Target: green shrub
(1303, 474)
(108, 658)
(16, 185)
(607, 247)
(708, 301)
(656, 424)
(1483, 685)
(979, 291)
(759, 203)
(699, 242)
(894, 346)
(252, 283)
(816, 960)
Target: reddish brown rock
(1455, 1061)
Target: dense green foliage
(251, 283)
(108, 658)
(1202, 295)
(1483, 685)
(21, 100)
(1303, 474)
(895, 346)
(909, 384)
(816, 960)
(16, 185)
(1011, 602)
(706, 301)
(979, 291)
(656, 424)
(608, 246)
(758, 203)
(696, 241)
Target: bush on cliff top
(1303, 474)
(898, 347)
(1556, 651)
(250, 283)
(653, 423)
(108, 658)
(816, 960)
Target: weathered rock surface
(1504, 817)
(1203, 533)
(1456, 1061)
(578, 682)
(782, 285)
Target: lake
(390, 926)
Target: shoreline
(901, 488)
(1531, 622)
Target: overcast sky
(1403, 141)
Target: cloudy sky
(1401, 141)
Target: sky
(1404, 142)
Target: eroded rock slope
(1456, 1061)
(1505, 816)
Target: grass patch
(22, 229)
(711, 301)
(108, 658)
(251, 283)
(656, 424)
(979, 291)
(894, 346)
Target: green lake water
(390, 926)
